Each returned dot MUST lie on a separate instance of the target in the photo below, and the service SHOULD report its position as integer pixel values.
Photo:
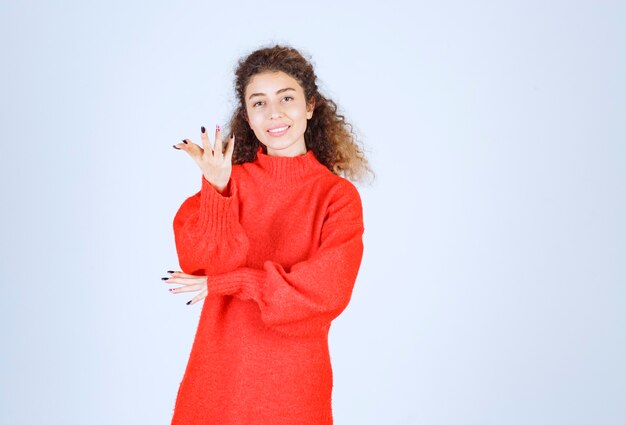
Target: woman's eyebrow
(278, 92)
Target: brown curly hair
(328, 135)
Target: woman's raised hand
(215, 164)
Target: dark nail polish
(184, 141)
(164, 278)
(174, 146)
(170, 271)
(189, 302)
(203, 129)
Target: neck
(286, 153)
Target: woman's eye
(256, 103)
(288, 97)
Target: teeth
(278, 130)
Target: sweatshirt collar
(289, 168)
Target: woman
(273, 243)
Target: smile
(278, 131)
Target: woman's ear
(309, 109)
(244, 115)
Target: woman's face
(278, 112)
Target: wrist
(220, 188)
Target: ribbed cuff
(246, 282)
(216, 210)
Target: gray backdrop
(492, 284)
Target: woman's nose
(275, 111)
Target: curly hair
(328, 135)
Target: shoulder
(340, 187)
(344, 200)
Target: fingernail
(172, 289)
(164, 278)
(174, 146)
(202, 129)
(217, 127)
(184, 141)
(171, 271)
(189, 302)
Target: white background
(492, 285)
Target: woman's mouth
(278, 131)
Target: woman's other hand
(190, 283)
(216, 165)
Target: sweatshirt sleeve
(209, 238)
(306, 298)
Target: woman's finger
(181, 145)
(186, 280)
(230, 148)
(206, 143)
(198, 297)
(217, 151)
(188, 288)
(189, 147)
(181, 274)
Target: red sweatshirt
(281, 249)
